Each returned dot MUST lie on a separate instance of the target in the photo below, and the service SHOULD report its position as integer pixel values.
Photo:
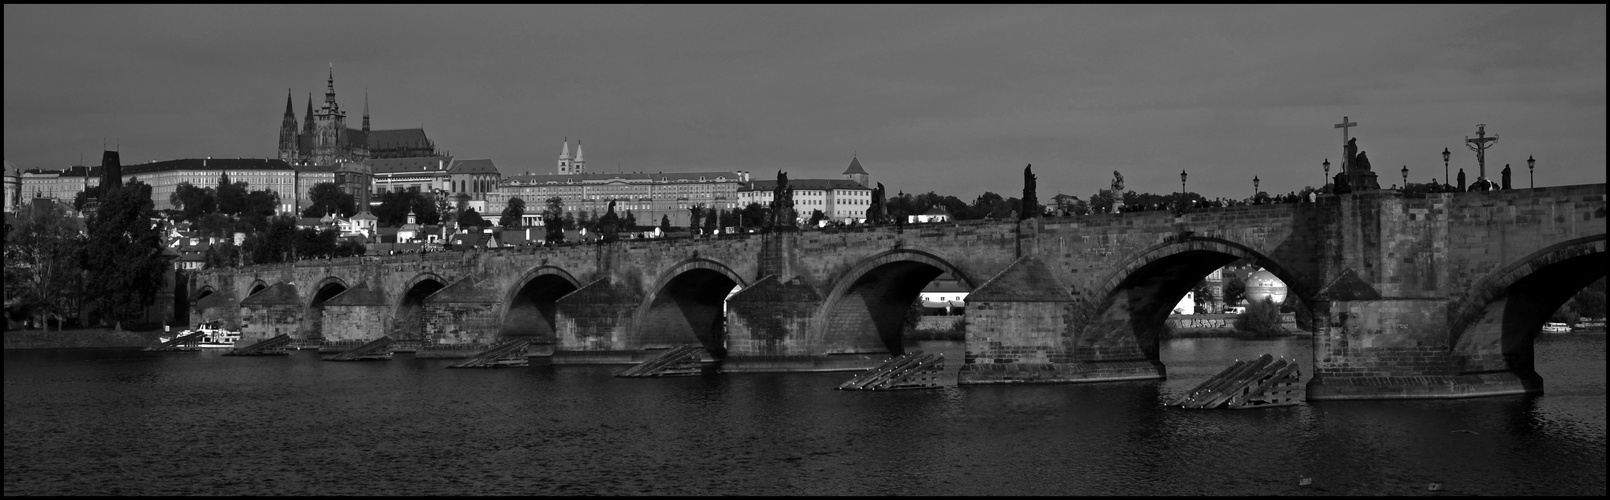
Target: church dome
(1263, 283)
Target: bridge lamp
(1182, 183)
(1405, 177)
(1254, 187)
(1327, 174)
(1531, 165)
(1444, 164)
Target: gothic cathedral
(324, 138)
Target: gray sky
(951, 98)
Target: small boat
(1589, 324)
(214, 335)
(1552, 327)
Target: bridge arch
(324, 290)
(408, 314)
(1130, 308)
(256, 286)
(866, 304)
(529, 307)
(1492, 326)
(687, 303)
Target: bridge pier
(271, 312)
(593, 323)
(1398, 349)
(768, 325)
(465, 312)
(1021, 329)
(361, 313)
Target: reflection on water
(149, 423)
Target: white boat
(1552, 327)
(214, 336)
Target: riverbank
(87, 338)
(1232, 334)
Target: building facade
(649, 196)
(841, 200)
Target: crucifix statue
(1480, 145)
(1344, 125)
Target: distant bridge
(1418, 295)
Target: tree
(326, 196)
(221, 254)
(349, 248)
(629, 222)
(194, 201)
(513, 213)
(754, 216)
(82, 198)
(274, 245)
(816, 217)
(122, 258)
(551, 220)
(231, 195)
(1261, 318)
(1234, 289)
(395, 206)
(42, 248)
(470, 218)
(665, 224)
(728, 218)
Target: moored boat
(214, 335)
(1552, 327)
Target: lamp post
(1531, 164)
(1444, 166)
(1254, 188)
(1327, 174)
(1182, 183)
(1405, 177)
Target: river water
(129, 422)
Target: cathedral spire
(307, 126)
(565, 153)
(289, 115)
(366, 111)
(329, 93)
(578, 151)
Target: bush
(1261, 319)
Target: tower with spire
(579, 165)
(565, 159)
(365, 112)
(856, 173)
(329, 127)
(288, 132)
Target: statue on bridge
(1117, 182)
(1031, 202)
(878, 212)
(1505, 174)
(609, 223)
(1461, 185)
(782, 204)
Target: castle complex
(324, 139)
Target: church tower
(564, 159)
(858, 174)
(288, 132)
(329, 129)
(366, 113)
(304, 146)
(579, 165)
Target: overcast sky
(950, 98)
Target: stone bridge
(1433, 295)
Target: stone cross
(1344, 125)
(1480, 145)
